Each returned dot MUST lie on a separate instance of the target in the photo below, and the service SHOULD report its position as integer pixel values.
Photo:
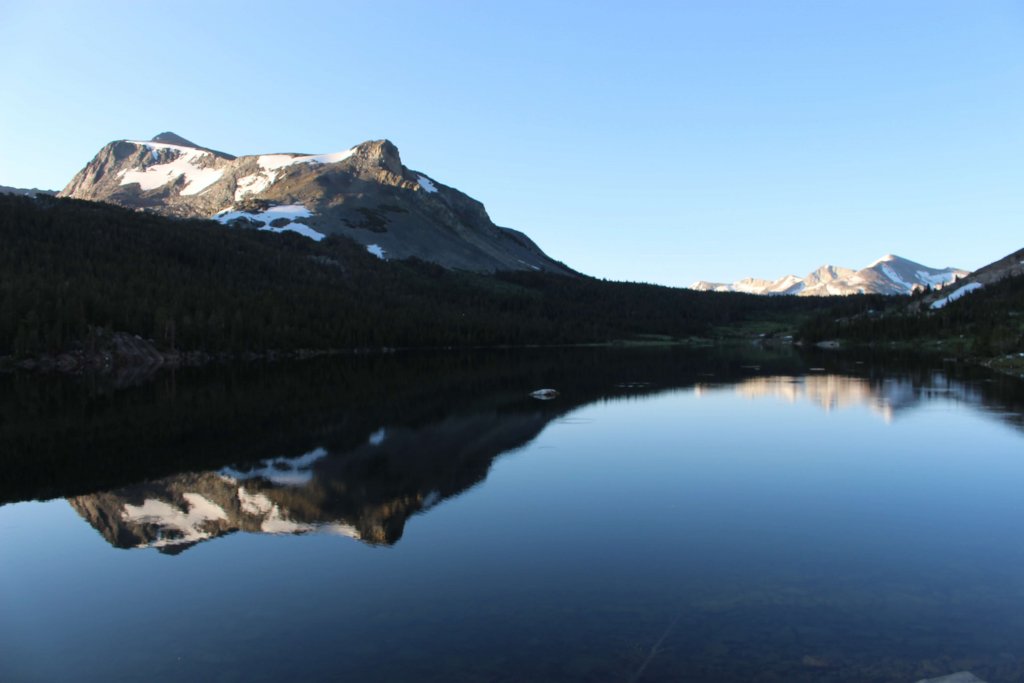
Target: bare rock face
(364, 193)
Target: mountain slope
(364, 193)
(75, 272)
(1009, 266)
(890, 275)
(981, 315)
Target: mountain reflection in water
(367, 484)
(726, 515)
(366, 493)
(886, 396)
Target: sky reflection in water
(815, 527)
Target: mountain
(891, 275)
(1011, 265)
(979, 316)
(29, 192)
(82, 277)
(364, 193)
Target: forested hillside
(987, 322)
(72, 271)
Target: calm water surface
(671, 516)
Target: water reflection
(627, 529)
(365, 479)
(886, 396)
(367, 492)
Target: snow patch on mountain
(427, 186)
(274, 162)
(271, 164)
(182, 161)
(895, 277)
(284, 216)
(377, 251)
(934, 280)
(253, 184)
(966, 289)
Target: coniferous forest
(986, 322)
(72, 271)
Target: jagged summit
(382, 153)
(363, 193)
(890, 274)
(379, 149)
(174, 139)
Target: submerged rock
(958, 677)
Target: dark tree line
(988, 321)
(72, 271)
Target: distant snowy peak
(363, 193)
(890, 274)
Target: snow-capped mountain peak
(363, 193)
(887, 257)
(890, 274)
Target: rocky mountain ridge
(1011, 265)
(891, 275)
(364, 193)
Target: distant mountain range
(367, 195)
(977, 317)
(890, 274)
(363, 193)
(4, 189)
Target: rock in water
(544, 394)
(958, 677)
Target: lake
(672, 515)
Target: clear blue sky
(661, 142)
